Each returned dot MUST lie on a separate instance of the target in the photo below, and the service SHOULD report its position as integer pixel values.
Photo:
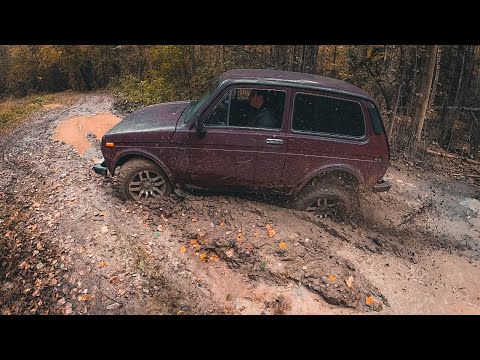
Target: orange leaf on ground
(282, 245)
(194, 243)
(249, 247)
(369, 300)
(271, 232)
(183, 249)
(255, 234)
(349, 281)
(332, 277)
(203, 256)
(222, 222)
(86, 297)
(102, 264)
(239, 236)
(213, 258)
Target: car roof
(295, 79)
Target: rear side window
(376, 120)
(321, 114)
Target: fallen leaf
(141, 265)
(255, 234)
(113, 306)
(332, 277)
(86, 297)
(229, 297)
(183, 249)
(229, 253)
(203, 256)
(271, 232)
(369, 300)
(38, 283)
(282, 245)
(239, 236)
(102, 264)
(213, 258)
(222, 222)
(194, 243)
(349, 281)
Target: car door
(272, 144)
(327, 131)
(225, 157)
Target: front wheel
(142, 180)
(329, 200)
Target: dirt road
(70, 245)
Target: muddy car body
(326, 142)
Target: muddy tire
(142, 180)
(339, 202)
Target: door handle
(275, 141)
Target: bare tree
(425, 91)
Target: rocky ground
(70, 245)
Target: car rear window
(322, 114)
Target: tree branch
(236, 47)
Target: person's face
(255, 100)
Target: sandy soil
(72, 246)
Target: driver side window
(219, 116)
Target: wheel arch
(344, 173)
(126, 156)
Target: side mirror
(200, 127)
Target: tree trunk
(437, 75)
(425, 95)
(412, 91)
(399, 93)
(334, 65)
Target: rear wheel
(328, 200)
(142, 180)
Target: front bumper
(100, 168)
(382, 185)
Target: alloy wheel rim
(147, 184)
(327, 206)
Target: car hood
(152, 118)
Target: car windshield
(195, 105)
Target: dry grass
(14, 111)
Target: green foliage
(145, 92)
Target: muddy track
(85, 251)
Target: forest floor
(70, 245)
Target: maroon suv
(318, 139)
